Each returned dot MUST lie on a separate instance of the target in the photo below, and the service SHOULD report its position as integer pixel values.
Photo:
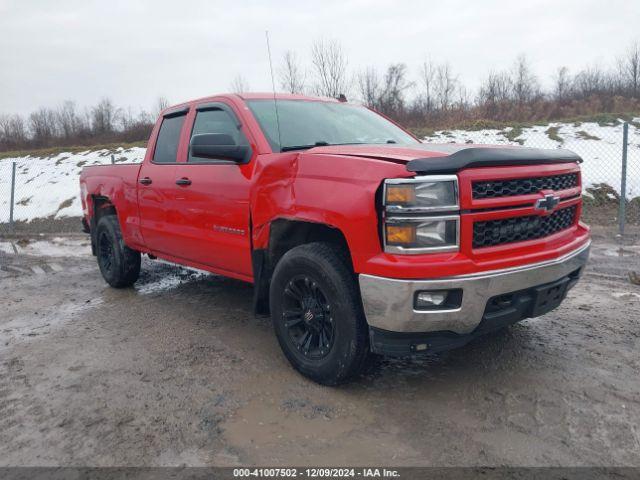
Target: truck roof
(283, 96)
(252, 96)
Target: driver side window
(216, 121)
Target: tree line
(68, 125)
(434, 96)
(430, 96)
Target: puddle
(621, 252)
(54, 247)
(28, 326)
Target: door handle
(183, 182)
(146, 181)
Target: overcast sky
(134, 51)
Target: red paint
(215, 222)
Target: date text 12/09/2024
(315, 473)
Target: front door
(212, 199)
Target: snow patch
(600, 146)
(49, 187)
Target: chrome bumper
(388, 302)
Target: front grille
(524, 186)
(519, 229)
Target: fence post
(13, 193)
(623, 179)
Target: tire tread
(129, 261)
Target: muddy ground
(178, 371)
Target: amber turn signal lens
(401, 234)
(400, 194)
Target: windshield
(305, 124)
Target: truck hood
(452, 157)
(390, 152)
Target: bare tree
(524, 83)
(147, 118)
(13, 132)
(561, 84)
(160, 105)
(392, 101)
(629, 67)
(42, 124)
(369, 88)
(590, 81)
(127, 119)
(330, 68)
(464, 99)
(4, 120)
(427, 80)
(69, 122)
(292, 75)
(495, 93)
(445, 86)
(103, 117)
(239, 84)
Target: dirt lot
(179, 371)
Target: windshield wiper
(319, 144)
(303, 147)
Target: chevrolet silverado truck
(359, 239)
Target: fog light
(430, 299)
(438, 299)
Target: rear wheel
(119, 265)
(317, 314)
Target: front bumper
(389, 303)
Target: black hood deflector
(466, 157)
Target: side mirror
(218, 146)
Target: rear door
(212, 198)
(156, 185)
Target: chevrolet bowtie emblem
(548, 203)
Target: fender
(332, 190)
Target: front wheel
(317, 314)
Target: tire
(119, 265)
(313, 290)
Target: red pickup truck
(357, 237)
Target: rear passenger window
(216, 121)
(168, 139)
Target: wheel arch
(101, 205)
(285, 234)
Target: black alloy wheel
(307, 317)
(106, 252)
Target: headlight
(421, 194)
(415, 218)
(422, 234)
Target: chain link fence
(606, 161)
(43, 195)
(46, 191)
(36, 206)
